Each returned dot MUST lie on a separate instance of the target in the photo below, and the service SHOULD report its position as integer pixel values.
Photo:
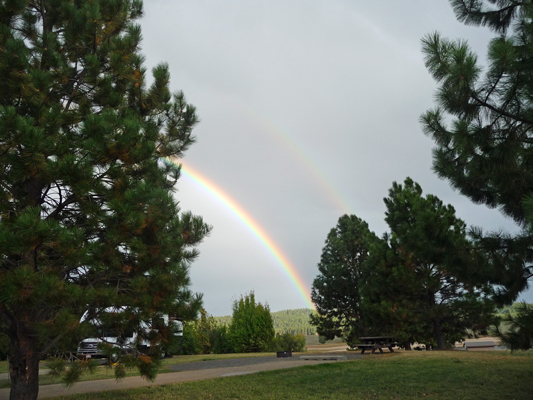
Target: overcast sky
(309, 110)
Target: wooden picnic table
(376, 343)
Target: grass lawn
(453, 375)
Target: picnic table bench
(376, 343)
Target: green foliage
(171, 345)
(222, 341)
(87, 214)
(211, 337)
(148, 367)
(224, 320)
(513, 309)
(190, 343)
(482, 127)
(422, 284)
(120, 372)
(206, 336)
(518, 334)
(410, 284)
(205, 329)
(288, 342)
(336, 290)
(70, 372)
(147, 364)
(251, 329)
(294, 321)
(286, 321)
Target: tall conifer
(336, 291)
(410, 284)
(87, 217)
(431, 252)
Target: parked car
(125, 341)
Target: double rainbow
(231, 205)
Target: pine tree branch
(494, 85)
(51, 344)
(69, 200)
(473, 14)
(499, 110)
(77, 80)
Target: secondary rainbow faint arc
(230, 204)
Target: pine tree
(482, 127)
(336, 290)
(87, 217)
(387, 300)
(409, 284)
(428, 250)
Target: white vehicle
(128, 342)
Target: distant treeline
(286, 321)
(297, 321)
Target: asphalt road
(185, 372)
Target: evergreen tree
(387, 299)
(87, 217)
(482, 127)
(430, 250)
(251, 329)
(409, 284)
(336, 290)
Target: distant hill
(286, 321)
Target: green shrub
(222, 343)
(288, 342)
(190, 343)
(206, 336)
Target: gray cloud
(304, 105)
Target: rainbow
(297, 152)
(290, 271)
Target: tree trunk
(24, 356)
(24, 367)
(439, 336)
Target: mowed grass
(402, 375)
